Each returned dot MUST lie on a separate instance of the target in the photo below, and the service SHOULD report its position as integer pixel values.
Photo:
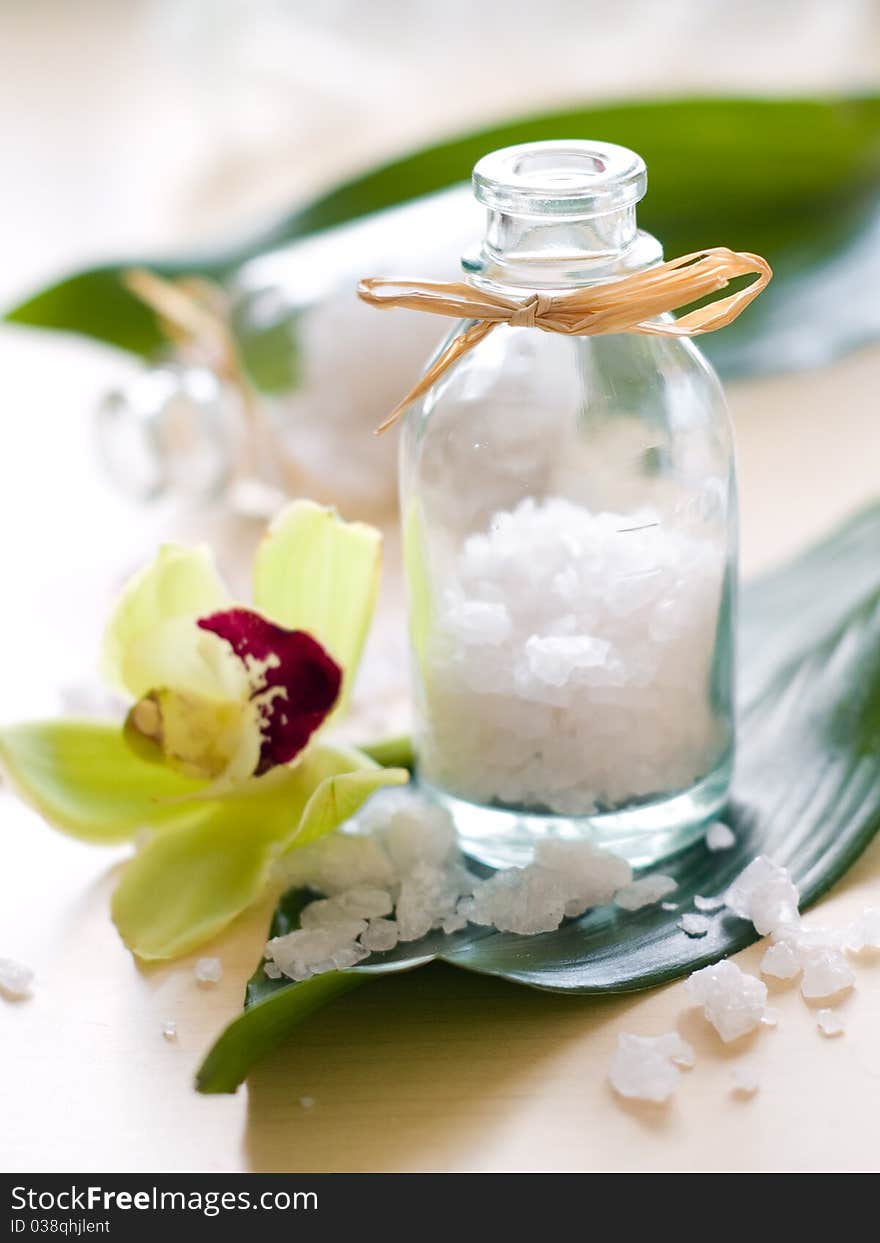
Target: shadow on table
(413, 1072)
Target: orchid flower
(221, 758)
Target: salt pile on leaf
(399, 874)
(571, 660)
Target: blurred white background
(134, 128)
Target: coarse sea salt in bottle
(569, 515)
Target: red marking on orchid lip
(309, 677)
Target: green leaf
(83, 778)
(263, 1027)
(185, 886)
(738, 172)
(180, 584)
(807, 792)
(315, 572)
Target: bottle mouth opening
(573, 177)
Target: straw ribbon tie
(629, 304)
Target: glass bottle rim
(561, 177)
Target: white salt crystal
(644, 1068)
(338, 862)
(347, 955)
(312, 951)
(829, 1023)
(418, 832)
(588, 875)
(524, 900)
(16, 980)
(826, 972)
(428, 895)
(708, 904)
(645, 891)
(764, 893)
(720, 837)
(169, 1029)
(732, 1001)
(307, 1102)
(366, 903)
(745, 1080)
(781, 960)
(555, 658)
(381, 935)
(669, 906)
(209, 971)
(478, 621)
(272, 970)
(569, 664)
(694, 925)
(770, 1017)
(864, 933)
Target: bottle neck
(523, 252)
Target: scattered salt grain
(668, 906)
(306, 1102)
(770, 1017)
(732, 1001)
(764, 893)
(708, 904)
(694, 925)
(645, 891)
(745, 1081)
(209, 971)
(169, 1029)
(16, 980)
(781, 960)
(864, 933)
(720, 837)
(645, 1068)
(829, 1023)
(826, 972)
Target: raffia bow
(630, 304)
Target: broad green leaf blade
(264, 1026)
(179, 584)
(807, 788)
(83, 778)
(315, 572)
(738, 172)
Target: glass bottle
(570, 534)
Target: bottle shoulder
(663, 377)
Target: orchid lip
(295, 682)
